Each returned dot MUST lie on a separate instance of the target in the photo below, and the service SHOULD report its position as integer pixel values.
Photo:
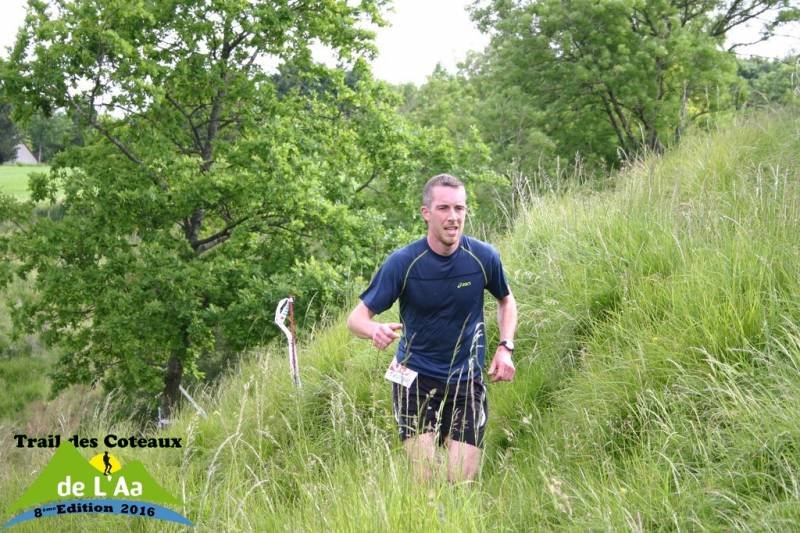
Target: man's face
(445, 216)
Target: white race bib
(397, 373)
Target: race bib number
(397, 373)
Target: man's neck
(440, 248)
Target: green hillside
(657, 376)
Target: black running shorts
(454, 410)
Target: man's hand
(384, 334)
(360, 322)
(502, 367)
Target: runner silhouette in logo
(107, 462)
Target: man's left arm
(502, 367)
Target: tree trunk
(682, 117)
(632, 144)
(172, 383)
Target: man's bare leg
(421, 451)
(463, 461)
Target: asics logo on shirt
(464, 284)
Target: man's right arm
(361, 324)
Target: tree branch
(198, 141)
(203, 245)
(613, 120)
(223, 235)
(733, 18)
(616, 106)
(216, 105)
(191, 226)
(733, 47)
(650, 24)
(370, 180)
(91, 117)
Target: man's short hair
(439, 180)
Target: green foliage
(770, 81)
(608, 76)
(26, 384)
(9, 136)
(49, 135)
(518, 143)
(447, 103)
(208, 185)
(449, 110)
(23, 361)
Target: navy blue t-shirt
(441, 305)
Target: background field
(14, 179)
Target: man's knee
(421, 450)
(464, 461)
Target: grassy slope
(657, 386)
(14, 179)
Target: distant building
(23, 156)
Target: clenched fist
(384, 334)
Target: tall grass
(658, 382)
(24, 361)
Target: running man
(438, 391)
(107, 463)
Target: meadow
(657, 378)
(14, 179)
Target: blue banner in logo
(119, 507)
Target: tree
(447, 101)
(510, 122)
(622, 74)
(448, 106)
(48, 135)
(770, 81)
(9, 136)
(218, 173)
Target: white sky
(424, 33)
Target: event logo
(70, 485)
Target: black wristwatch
(508, 344)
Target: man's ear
(426, 214)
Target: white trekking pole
(285, 310)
